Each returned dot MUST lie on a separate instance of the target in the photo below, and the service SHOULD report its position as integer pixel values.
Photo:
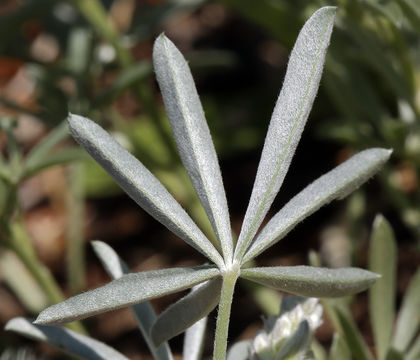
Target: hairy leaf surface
(335, 184)
(139, 183)
(128, 290)
(192, 136)
(187, 311)
(312, 281)
(288, 120)
(143, 312)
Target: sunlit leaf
(337, 183)
(288, 120)
(128, 290)
(312, 281)
(140, 184)
(192, 136)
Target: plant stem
(223, 316)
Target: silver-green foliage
(198, 155)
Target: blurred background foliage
(93, 58)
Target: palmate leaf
(128, 290)
(312, 281)
(140, 184)
(187, 311)
(70, 342)
(335, 184)
(143, 312)
(288, 120)
(192, 136)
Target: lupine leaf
(143, 312)
(312, 281)
(192, 136)
(335, 184)
(63, 156)
(187, 311)
(382, 260)
(194, 340)
(70, 342)
(408, 321)
(128, 290)
(414, 352)
(339, 349)
(354, 339)
(140, 184)
(288, 120)
(55, 136)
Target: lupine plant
(228, 258)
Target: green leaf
(193, 137)
(128, 290)
(140, 184)
(312, 281)
(240, 350)
(58, 158)
(187, 311)
(382, 260)
(129, 77)
(354, 339)
(337, 183)
(288, 120)
(408, 320)
(339, 349)
(70, 342)
(143, 312)
(194, 340)
(414, 352)
(54, 137)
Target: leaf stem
(223, 317)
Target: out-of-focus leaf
(354, 339)
(193, 137)
(337, 183)
(339, 349)
(68, 341)
(240, 350)
(411, 11)
(21, 281)
(79, 50)
(128, 290)
(297, 346)
(408, 321)
(288, 120)
(186, 311)
(414, 352)
(143, 312)
(382, 260)
(194, 340)
(140, 184)
(54, 137)
(312, 281)
(58, 158)
(128, 77)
